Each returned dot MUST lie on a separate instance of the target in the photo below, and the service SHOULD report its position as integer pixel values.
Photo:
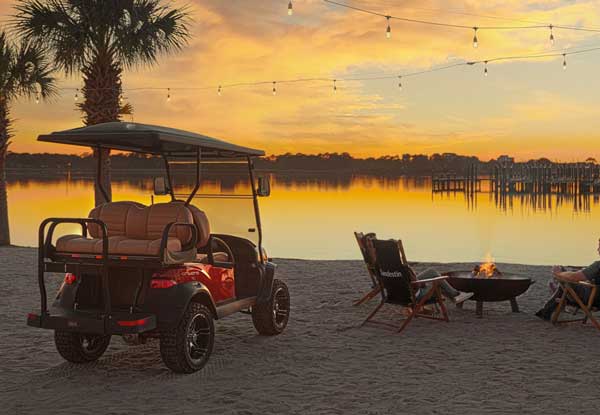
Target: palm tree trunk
(4, 137)
(102, 92)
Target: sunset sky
(526, 108)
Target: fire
(488, 269)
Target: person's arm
(574, 276)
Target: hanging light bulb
(274, 88)
(219, 90)
(475, 41)
(551, 35)
(400, 82)
(485, 71)
(290, 8)
(388, 32)
(564, 61)
(121, 99)
(76, 97)
(334, 86)
(168, 94)
(37, 97)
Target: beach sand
(322, 364)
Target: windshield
(225, 195)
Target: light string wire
(336, 81)
(459, 26)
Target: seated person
(449, 291)
(591, 274)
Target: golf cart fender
(267, 271)
(170, 304)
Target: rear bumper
(91, 323)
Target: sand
(322, 364)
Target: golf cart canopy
(150, 139)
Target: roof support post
(198, 159)
(256, 208)
(168, 169)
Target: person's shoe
(461, 298)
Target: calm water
(314, 217)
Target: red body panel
(219, 281)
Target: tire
(188, 356)
(272, 317)
(79, 347)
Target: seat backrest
(202, 224)
(392, 270)
(367, 255)
(114, 215)
(135, 221)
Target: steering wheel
(221, 245)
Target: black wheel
(79, 347)
(272, 317)
(187, 348)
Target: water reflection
(313, 215)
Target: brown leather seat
(202, 224)
(133, 229)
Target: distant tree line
(410, 164)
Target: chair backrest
(393, 271)
(367, 254)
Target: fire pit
(487, 283)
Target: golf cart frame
(167, 286)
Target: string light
(121, 99)
(219, 90)
(290, 8)
(334, 86)
(475, 41)
(168, 94)
(37, 97)
(551, 35)
(388, 32)
(76, 97)
(365, 78)
(485, 71)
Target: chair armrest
(436, 279)
(583, 283)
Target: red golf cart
(157, 271)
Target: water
(313, 217)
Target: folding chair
(569, 293)
(398, 284)
(361, 239)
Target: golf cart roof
(150, 139)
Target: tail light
(70, 278)
(162, 283)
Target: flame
(488, 269)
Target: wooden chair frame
(371, 269)
(569, 293)
(415, 308)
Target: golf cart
(157, 271)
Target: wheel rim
(91, 344)
(198, 338)
(281, 307)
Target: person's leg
(447, 289)
(546, 311)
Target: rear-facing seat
(136, 230)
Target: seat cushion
(202, 224)
(117, 245)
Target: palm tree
(24, 72)
(99, 39)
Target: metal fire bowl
(502, 288)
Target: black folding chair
(369, 260)
(398, 285)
